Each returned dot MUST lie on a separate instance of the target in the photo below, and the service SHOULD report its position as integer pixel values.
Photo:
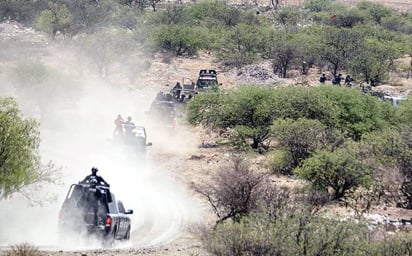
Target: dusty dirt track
(182, 164)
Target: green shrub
(180, 39)
(300, 138)
(287, 234)
(21, 11)
(399, 244)
(339, 170)
(281, 162)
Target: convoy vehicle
(207, 79)
(136, 140)
(394, 99)
(162, 114)
(184, 91)
(93, 210)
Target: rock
(196, 157)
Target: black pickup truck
(94, 211)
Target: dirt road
(155, 186)
(77, 137)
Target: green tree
(356, 114)
(337, 45)
(374, 59)
(203, 109)
(22, 11)
(243, 44)
(318, 5)
(20, 162)
(180, 39)
(399, 244)
(339, 170)
(348, 18)
(376, 11)
(309, 103)
(299, 138)
(288, 16)
(55, 19)
(390, 155)
(246, 110)
(306, 52)
(90, 16)
(105, 47)
(215, 14)
(398, 23)
(283, 52)
(173, 14)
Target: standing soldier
(118, 122)
(129, 126)
(322, 79)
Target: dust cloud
(76, 134)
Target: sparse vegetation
(24, 249)
(363, 40)
(347, 146)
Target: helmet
(94, 170)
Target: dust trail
(81, 137)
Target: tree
(306, 54)
(376, 11)
(356, 114)
(398, 23)
(283, 52)
(215, 14)
(288, 16)
(20, 162)
(248, 111)
(181, 39)
(337, 46)
(55, 19)
(234, 191)
(105, 47)
(21, 11)
(309, 103)
(390, 154)
(89, 16)
(339, 170)
(241, 45)
(374, 59)
(203, 109)
(153, 4)
(348, 18)
(318, 5)
(173, 14)
(35, 83)
(300, 138)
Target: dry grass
(24, 249)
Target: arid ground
(167, 211)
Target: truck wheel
(108, 240)
(127, 236)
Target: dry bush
(236, 191)
(24, 249)
(233, 191)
